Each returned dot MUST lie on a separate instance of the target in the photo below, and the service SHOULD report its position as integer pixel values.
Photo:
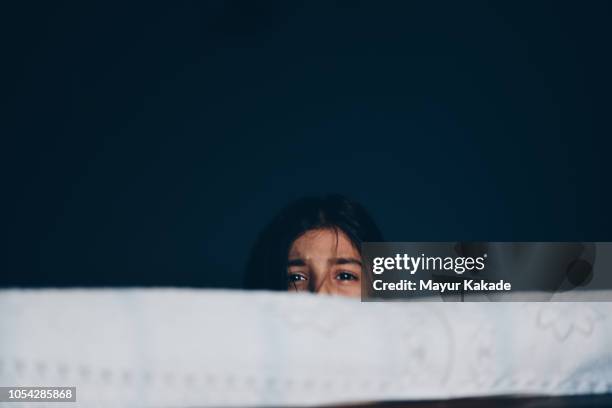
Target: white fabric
(189, 348)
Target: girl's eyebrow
(296, 262)
(345, 261)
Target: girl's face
(324, 261)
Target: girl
(313, 245)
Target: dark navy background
(148, 144)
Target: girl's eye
(294, 277)
(345, 276)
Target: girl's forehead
(323, 242)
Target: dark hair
(267, 264)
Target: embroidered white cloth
(189, 348)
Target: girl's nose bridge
(323, 284)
